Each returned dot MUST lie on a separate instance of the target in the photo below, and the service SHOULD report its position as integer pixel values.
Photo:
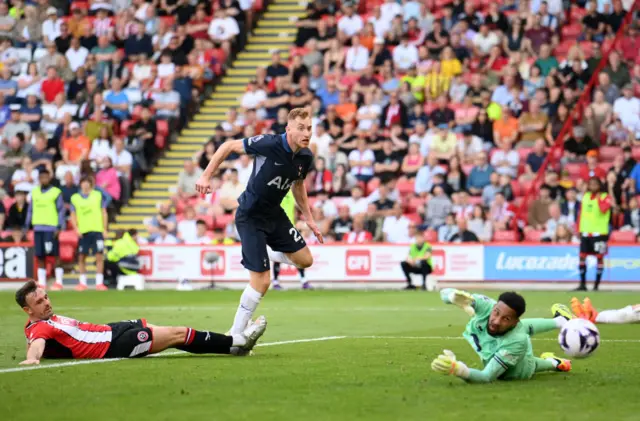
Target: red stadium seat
(505, 236)
(608, 153)
(623, 237)
(162, 127)
(517, 188)
(68, 244)
(574, 169)
(524, 153)
(475, 200)
(168, 20)
(372, 185)
(415, 218)
(606, 166)
(405, 187)
(430, 236)
(222, 221)
(7, 202)
(161, 141)
(415, 203)
(533, 236)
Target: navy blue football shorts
(258, 232)
(91, 242)
(45, 244)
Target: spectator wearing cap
(579, 144)
(627, 108)
(76, 146)
(15, 126)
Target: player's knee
(304, 261)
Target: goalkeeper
(501, 339)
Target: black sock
(599, 270)
(276, 270)
(203, 342)
(301, 272)
(583, 272)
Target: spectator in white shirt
(469, 146)
(357, 56)
(380, 25)
(361, 161)
(485, 40)
(500, 213)
(368, 113)
(201, 236)
(405, 55)
(505, 160)
(253, 99)
(25, 178)
(51, 26)
(223, 29)
(76, 54)
(555, 218)
(350, 24)
(357, 203)
(164, 237)
(397, 228)
(187, 227)
(627, 107)
(121, 158)
(101, 146)
(321, 140)
(390, 9)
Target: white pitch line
(461, 338)
(82, 362)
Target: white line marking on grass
(459, 338)
(164, 354)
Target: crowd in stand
(438, 115)
(95, 87)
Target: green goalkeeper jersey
(513, 350)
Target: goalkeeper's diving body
(501, 339)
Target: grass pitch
(369, 361)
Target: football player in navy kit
(281, 163)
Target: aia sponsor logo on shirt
(358, 262)
(145, 257)
(212, 262)
(438, 262)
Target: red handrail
(557, 149)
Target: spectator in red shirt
(52, 85)
(199, 24)
(592, 169)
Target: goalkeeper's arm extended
(446, 363)
(462, 299)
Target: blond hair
(298, 113)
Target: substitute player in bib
(595, 214)
(50, 335)
(46, 215)
(281, 163)
(625, 315)
(500, 338)
(89, 219)
(289, 206)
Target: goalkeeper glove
(464, 300)
(446, 363)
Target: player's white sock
(248, 303)
(59, 275)
(83, 279)
(560, 321)
(623, 315)
(42, 277)
(238, 340)
(278, 256)
(99, 279)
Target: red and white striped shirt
(102, 27)
(69, 338)
(358, 237)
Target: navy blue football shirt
(275, 169)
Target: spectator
(17, 215)
(15, 126)
(397, 228)
(138, 43)
(446, 231)
(31, 113)
(424, 178)
(531, 125)
(456, 176)
(357, 57)
(627, 108)
(485, 40)
(500, 212)
(51, 26)
(341, 225)
(469, 147)
(117, 101)
(556, 190)
(505, 129)
(577, 146)
(350, 23)
(563, 235)
(480, 225)
(101, 146)
(592, 169)
(319, 179)
(610, 90)
(570, 207)
(185, 189)
(555, 220)
(164, 236)
(412, 162)
(107, 178)
(145, 129)
(387, 162)
(357, 203)
(479, 176)
(24, 178)
(76, 146)
(437, 208)
(631, 220)
(444, 143)
(121, 158)
(535, 159)
(505, 160)
(16, 235)
(164, 218)
(52, 86)
(361, 161)
(358, 235)
(187, 227)
(463, 235)
(167, 102)
(538, 213)
(394, 112)
(76, 54)
(221, 237)
(230, 190)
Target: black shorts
(46, 244)
(258, 232)
(91, 242)
(594, 245)
(130, 339)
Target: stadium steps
(274, 31)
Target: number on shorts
(476, 341)
(48, 247)
(296, 235)
(600, 247)
(99, 245)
